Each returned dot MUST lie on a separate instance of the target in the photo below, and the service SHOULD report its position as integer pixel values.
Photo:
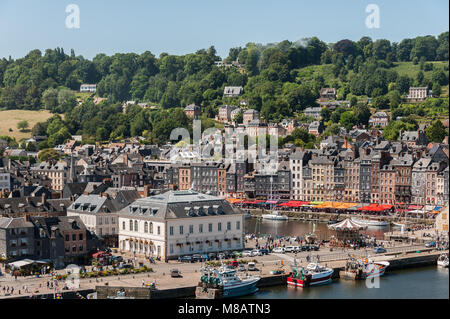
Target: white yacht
(370, 222)
(274, 215)
(443, 261)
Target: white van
(279, 250)
(290, 249)
(251, 266)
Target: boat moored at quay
(371, 222)
(274, 215)
(364, 268)
(314, 275)
(224, 283)
(443, 261)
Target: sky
(185, 26)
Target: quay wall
(400, 262)
(65, 295)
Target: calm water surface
(300, 228)
(417, 283)
(427, 282)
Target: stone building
(179, 223)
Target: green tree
(48, 154)
(22, 125)
(436, 132)
(348, 120)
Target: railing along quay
(364, 253)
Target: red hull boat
(313, 275)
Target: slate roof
(8, 222)
(178, 204)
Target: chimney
(43, 198)
(146, 190)
(125, 159)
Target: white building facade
(179, 223)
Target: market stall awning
(415, 207)
(254, 202)
(375, 208)
(272, 202)
(347, 205)
(315, 203)
(234, 200)
(437, 208)
(293, 203)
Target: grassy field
(402, 68)
(411, 70)
(10, 118)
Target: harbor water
(293, 228)
(417, 283)
(426, 282)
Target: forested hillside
(280, 80)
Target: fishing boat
(313, 275)
(366, 268)
(398, 224)
(227, 283)
(370, 222)
(274, 215)
(443, 261)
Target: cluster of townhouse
(169, 200)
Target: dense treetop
(278, 80)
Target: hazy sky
(184, 26)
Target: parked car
(256, 252)
(117, 258)
(281, 250)
(252, 266)
(197, 257)
(221, 256)
(212, 256)
(237, 253)
(378, 250)
(185, 259)
(205, 257)
(241, 267)
(315, 248)
(290, 249)
(123, 266)
(234, 263)
(175, 273)
(264, 251)
(430, 244)
(247, 253)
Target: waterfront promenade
(190, 271)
